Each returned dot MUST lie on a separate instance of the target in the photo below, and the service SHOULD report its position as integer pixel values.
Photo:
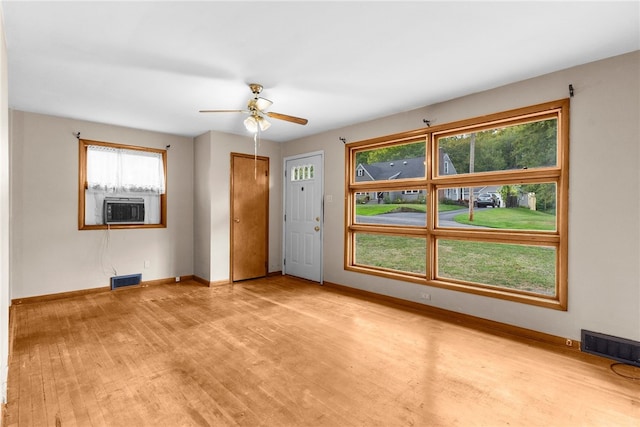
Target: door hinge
(285, 217)
(284, 261)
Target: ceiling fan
(256, 109)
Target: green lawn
(527, 268)
(447, 208)
(370, 210)
(394, 252)
(505, 218)
(509, 218)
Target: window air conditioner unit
(123, 210)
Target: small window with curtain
(121, 186)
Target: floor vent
(620, 349)
(128, 280)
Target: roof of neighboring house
(401, 169)
(444, 158)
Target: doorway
(249, 216)
(303, 220)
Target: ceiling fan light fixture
(253, 122)
(264, 124)
(262, 103)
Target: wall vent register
(621, 349)
(127, 280)
(123, 210)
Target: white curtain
(115, 170)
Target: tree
(527, 145)
(545, 196)
(535, 144)
(390, 154)
(507, 192)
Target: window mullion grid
(556, 175)
(552, 174)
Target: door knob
(316, 228)
(236, 219)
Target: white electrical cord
(106, 253)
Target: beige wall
(4, 216)
(212, 199)
(48, 253)
(203, 193)
(604, 207)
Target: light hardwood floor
(284, 352)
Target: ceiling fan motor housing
(255, 88)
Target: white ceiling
(153, 64)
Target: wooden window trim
(558, 174)
(82, 186)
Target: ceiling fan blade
(287, 118)
(224, 111)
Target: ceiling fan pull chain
(255, 155)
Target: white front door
(303, 220)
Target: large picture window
(477, 206)
(121, 186)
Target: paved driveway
(445, 219)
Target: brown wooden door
(249, 216)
